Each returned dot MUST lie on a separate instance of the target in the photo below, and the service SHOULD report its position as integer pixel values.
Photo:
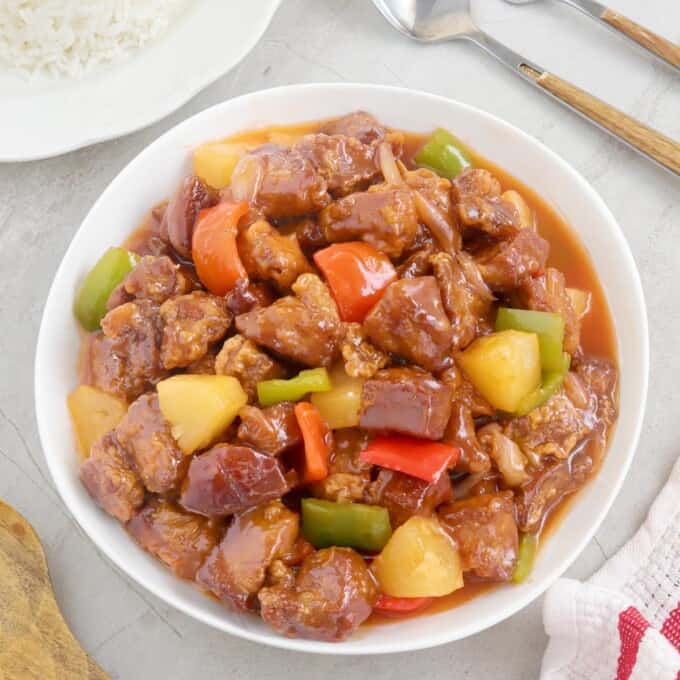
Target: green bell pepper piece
(311, 380)
(354, 525)
(550, 383)
(93, 294)
(525, 557)
(548, 326)
(443, 154)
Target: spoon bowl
(431, 21)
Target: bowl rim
(534, 589)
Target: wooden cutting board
(35, 642)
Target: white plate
(156, 172)
(43, 118)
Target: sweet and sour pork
(411, 438)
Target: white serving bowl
(153, 176)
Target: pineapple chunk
(504, 367)
(214, 162)
(419, 560)
(199, 408)
(340, 405)
(93, 414)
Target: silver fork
(641, 36)
(432, 21)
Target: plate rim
(54, 150)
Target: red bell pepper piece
(213, 247)
(399, 606)
(416, 457)
(315, 435)
(357, 275)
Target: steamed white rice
(67, 38)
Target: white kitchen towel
(624, 622)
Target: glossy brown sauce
(566, 254)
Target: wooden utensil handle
(649, 142)
(35, 641)
(663, 48)
(660, 148)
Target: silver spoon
(432, 21)
(658, 46)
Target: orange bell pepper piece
(213, 247)
(357, 275)
(316, 438)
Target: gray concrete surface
(132, 634)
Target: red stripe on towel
(671, 628)
(632, 627)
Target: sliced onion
(402, 168)
(388, 164)
(508, 457)
(463, 489)
(436, 222)
(576, 390)
(247, 178)
(474, 277)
